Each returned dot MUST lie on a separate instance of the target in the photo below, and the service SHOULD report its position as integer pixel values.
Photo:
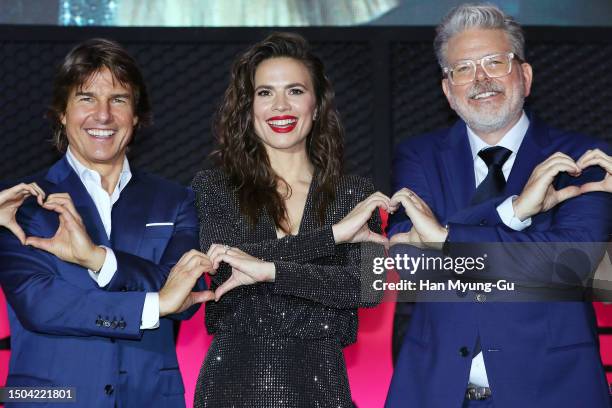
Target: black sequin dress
(280, 344)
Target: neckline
(305, 212)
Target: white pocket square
(158, 224)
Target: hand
(71, 243)
(539, 195)
(246, 269)
(597, 158)
(426, 231)
(176, 295)
(354, 227)
(10, 201)
(411, 237)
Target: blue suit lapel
(128, 217)
(529, 155)
(67, 181)
(456, 158)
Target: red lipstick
(282, 124)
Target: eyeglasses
(494, 65)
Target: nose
(481, 75)
(102, 113)
(280, 103)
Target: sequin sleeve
(345, 286)
(212, 194)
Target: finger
(187, 257)
(567, 193)
(593, 160)
(45, 244)
(40, 196)
(552, 171)
(401, 238)
(226, 286)
(65, 201)
(203, 296)
(593, 186)
(65, 215)
(212, 249)
(568, 163)
(17, 231)
(377, 238)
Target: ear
(447, 92)
(135, 121)
(527, 73)
(63, 118)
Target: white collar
(84, 172)
(511, 140)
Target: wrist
(518, 210)
(336, 233)
(96, 260)
(271, 272)
(162, 305)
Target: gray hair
(483, 16)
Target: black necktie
(493, 185)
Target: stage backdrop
(388, 88)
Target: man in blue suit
(496, 176)
(107, 255)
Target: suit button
(106, 324)
(108, 389)
(122, 324)
(464, 351)
(481, 297)
(98, 322)
(114, 324)
(483, 222)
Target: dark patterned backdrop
(386, 80)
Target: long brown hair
(241, 153)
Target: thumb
(225, 287)
(16, 229)
(377, 238)
(40, 243)
(567, 193)
(203, 296)
(593, 186)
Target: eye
(462, 69)
(119, 100)
(296, 91)
(84, 98)
(263, 92)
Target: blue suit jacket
(538, 354)
(65, 330)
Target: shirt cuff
(109, 267)
(150, 311)
(506, 213)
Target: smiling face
(487, 105)
(284, 104)
(99, 120)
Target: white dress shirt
(511, 141)
(104, 204)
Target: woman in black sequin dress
(281, 225)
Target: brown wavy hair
(241, 153)
(83, 61)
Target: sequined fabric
(280, 344)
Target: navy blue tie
(493, 185)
